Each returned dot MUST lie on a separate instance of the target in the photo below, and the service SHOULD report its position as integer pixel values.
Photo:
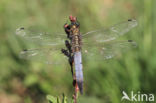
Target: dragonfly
(100, 42)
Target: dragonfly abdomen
(78, 70)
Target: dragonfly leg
(68, 46)
(70, 58)
(71, 61)
(67, 29)
(65, 52)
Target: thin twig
(74, 85)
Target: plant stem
(74, 84)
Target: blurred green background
(23, 81)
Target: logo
(137, 96)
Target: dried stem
(75, 85)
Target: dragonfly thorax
(76, 38)
(73, 34)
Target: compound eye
(74, 19)
(70, 17)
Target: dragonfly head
(72, 18)
(74, 26)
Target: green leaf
(58, 100)
(64, 100)
(52, 99)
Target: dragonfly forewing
(104, 35)
(41, 38)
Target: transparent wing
(41, 38)
(50, 46)
(107, 50)
(46, 55)
(111, 33)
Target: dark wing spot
(129, 19)
(22, 28)
(130, 40)
(133, 43)
(25, 50)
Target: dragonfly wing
(111, 33)
(46, 55)
(108, 50)
(50, 46)
(41, 38)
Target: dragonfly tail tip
(80, 85)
